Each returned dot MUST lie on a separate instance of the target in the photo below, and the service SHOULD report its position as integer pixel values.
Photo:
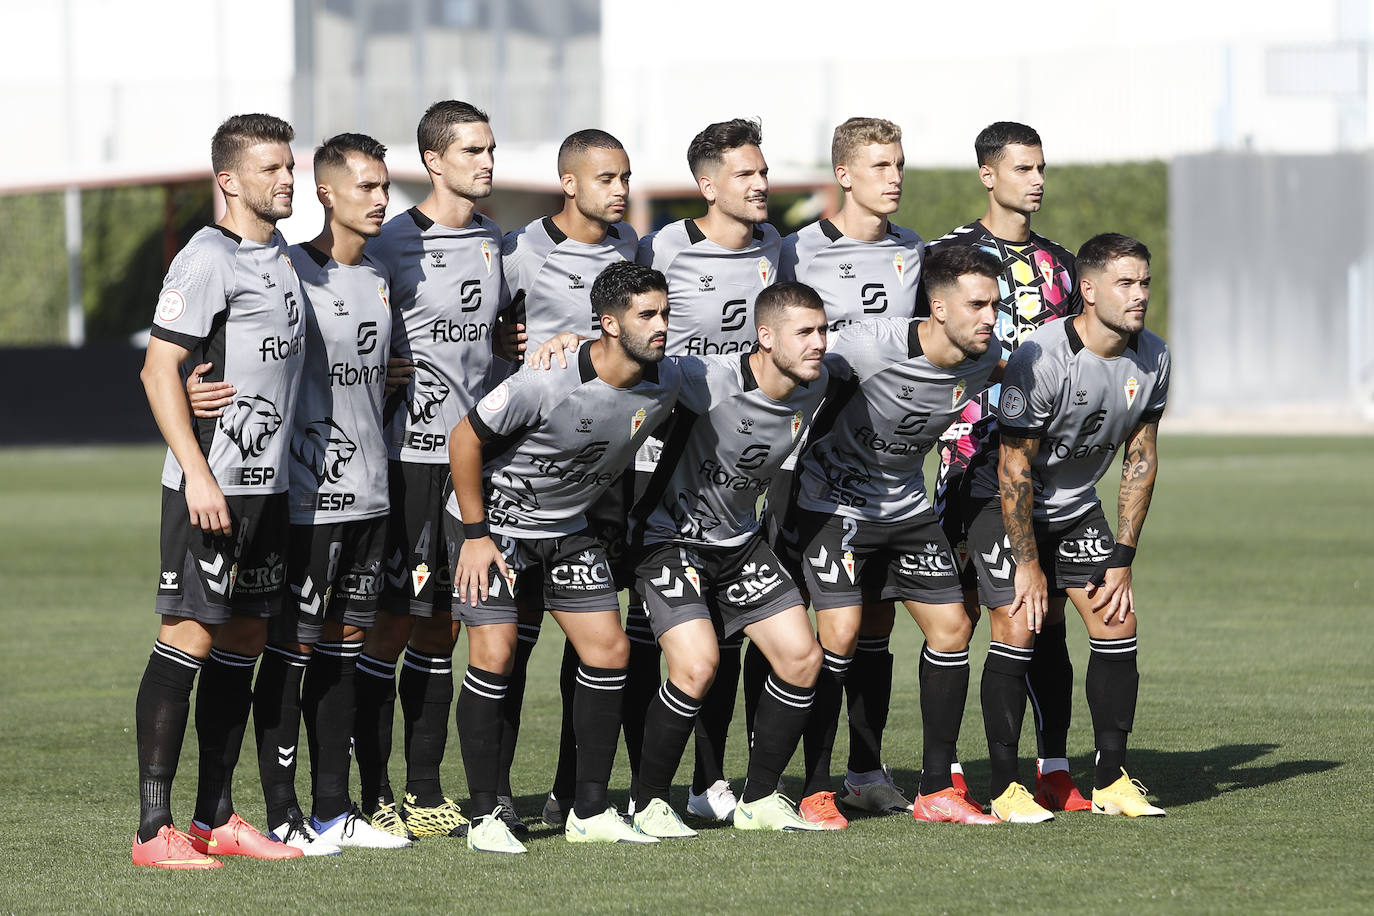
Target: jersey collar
(746, 372)
(319, 257)
(913, 340)
(237, 239)
(558, 235)
(831, 231)
(1076, 343)
(424, 222)
(694, 233)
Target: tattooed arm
(1018, 494)
(1114, 595)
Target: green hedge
(123, 254)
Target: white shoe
(297, 834)
(717, 803)
(354, 829)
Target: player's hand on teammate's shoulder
(555, 348)
(398, 373)
(475, 560)
(1032, 595)
(208, 399)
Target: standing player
(1074, 393)
(338, 507)
(864, 266)
(716, 266)
(232, 299)
(864, 526)
(549, 268)
(704, 568)
(1037, 286)
(553, 442)
(443, 259)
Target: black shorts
(568, 573)
(334, 572)
(730, 586)
(848, 562)
(1070, 552)
(418, 573)
(207, 577)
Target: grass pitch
(1254, 731)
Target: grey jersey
(237, 304)
(446, 289)
(1082, 407)
(729, 439)
(338, 467)
(553, 440)
(866, 459)
(711, 289)
(856, 280)
(549, 276)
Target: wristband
(472, 532)
(1122, 555)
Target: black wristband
(1122, 555)
(472, 532)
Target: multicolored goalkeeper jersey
(1038, 285)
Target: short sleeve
(511, 407)
(694, 393)
(787, 259)
(195, 290)
(1028, 395)
(1154, 410)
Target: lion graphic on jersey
(324, 449)
(250, 422)
(427, 393)
(692, 515)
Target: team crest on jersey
(233, 578)
(637, 421)
(959, 388)
(1132, 388)
(693, 577)
(848, 561)
(796, 423)
(381, 294)
(899, 264)
(496, 398)
(486, 254)
(171, 306)
(419, 576)
(765, 269)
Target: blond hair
(857, 132)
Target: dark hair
(997, 136)
(1100, 250)
(576, 144)
(621, 280)
(333, 153)
(436, 127)
(775, 299)
(711, 144)
(239, 132)
(946, 265)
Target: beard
(640, 349)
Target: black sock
(596, 721)
(868, 689)
(1050, 684)
(160, 714)
(425, 690)
(713, 722)
(755, 672)
(277, 727)
(515, 701)
(783, 712)
(565, 774)
(820, 726)
(372, 724)
(672, 711)
(1004, 708)
(1112, 684)
(944, 688)
(327, 704)
(479, 715)
(642, 684)
(223, 702)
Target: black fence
(61, 396)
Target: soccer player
(1074, 393)
(443, 259)
(527, 462)
(864, 525)
(704, 568)
(338, 508)
(230, 298)
(716, 266)
(1037, 286)
(864, 266)
(549, 267)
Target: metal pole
(76, 315)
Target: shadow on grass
(1174, 777)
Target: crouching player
(1074, 393)
(705, 571)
